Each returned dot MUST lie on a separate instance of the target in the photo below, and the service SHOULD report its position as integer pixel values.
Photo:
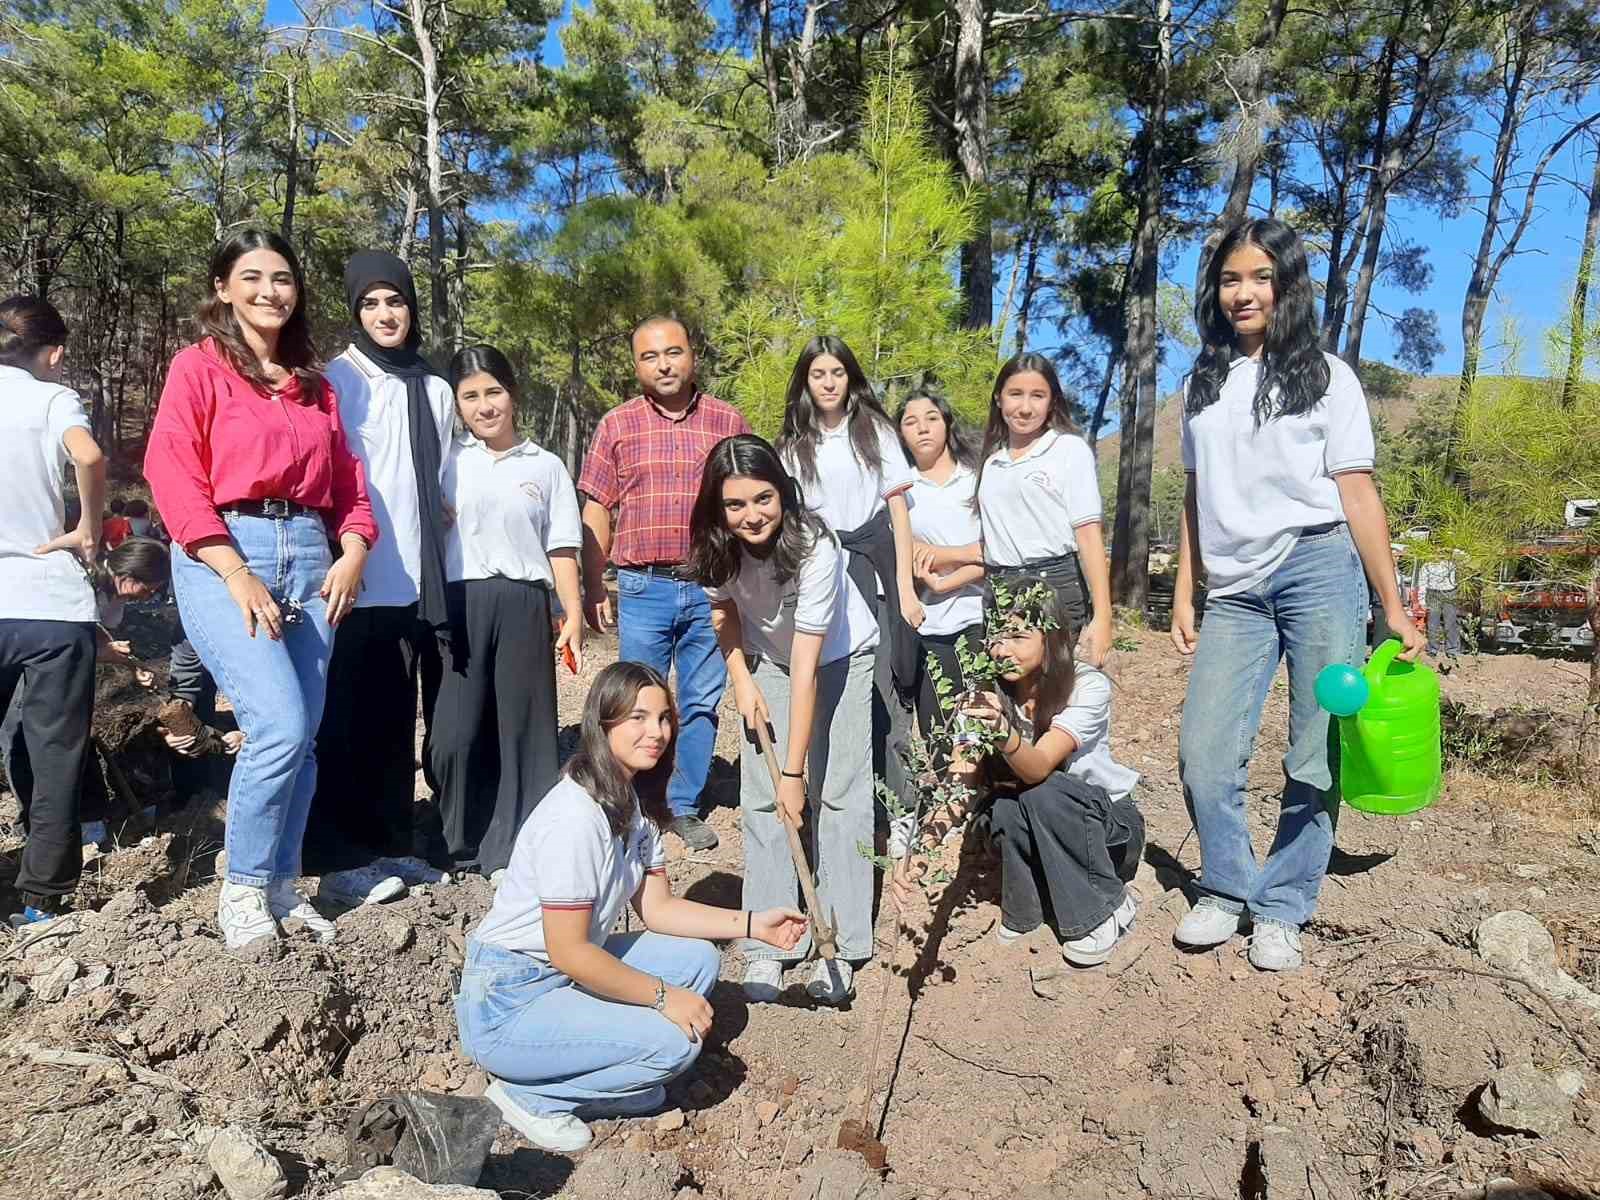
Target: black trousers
(366, 745)
(942, 648)
(54, 660)
(1066, 842)
(494, 747)
(1064, 574)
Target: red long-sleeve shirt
(217, 440)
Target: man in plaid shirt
(639, 481)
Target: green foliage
(864, 249)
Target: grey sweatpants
(840, 798)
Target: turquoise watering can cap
(1341, 689)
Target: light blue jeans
(1311, 610)
(560, 1049)
(277, 688)
(663, 622)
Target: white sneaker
(243, 914)
(1094, 947)
(832, 982)
(561, 1132)
(361, 885)
(1275, 947)
(412, 871)
(1006, 935)
(496, 878)
(1207, 924)
(287, 904)
(763, 980)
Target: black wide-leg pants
(493, 749)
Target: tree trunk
(769, 64)
(1377, 217)
(1030, 284)
(792, 126)
(1580, 310)
(972, 150)
(291, 162)
(438, 276)
(408, 224)
(1131, 551)
(1092, 434)
(458, 307)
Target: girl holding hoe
(798, 638)
(569, 1017)
(1281, 509)
(1038, 501)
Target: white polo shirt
(821, 598)
(1030, 506)
(846, 492)
(511, 509)
(941, 515)
(372, 405)
(1087, 717)
(34, 418)
(1256, 487)
(566, 858)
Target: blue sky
(1533, 289)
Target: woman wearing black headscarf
(399, 416)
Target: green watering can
(1389, 754)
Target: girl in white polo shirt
(1039, 502)
(1281, 508)
(515, 532)
(572, 1018)
(798, 638)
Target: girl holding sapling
(1281, 508)
(1068, 831)
(798, 638)
(1038, 502)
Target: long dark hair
(862, 412)
(1058, 671)
(142, 558)
(595, 769)
(28, 325)
(1291, 358)
(715, 550)
(217, 320)
(994, 432)
(955, 434)
(488, 360)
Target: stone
(837, 1175)
(766, 1112)
(247, 1169)
(1516, 943)
(671, 1120)
(1123, 1059)
(391, 1183)
(1294, 1166)
(51, 985)
(624, 1175)
(138, 1121)
(96, 976)
(397, 935)
(13, 995)
(1570, 1080)
(1428, 1145)
(1525, 1098)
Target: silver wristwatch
(660, 1004)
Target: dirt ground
(1163, 1074)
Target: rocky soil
(1435, 1042)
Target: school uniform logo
(1041, 480)
(532, 491)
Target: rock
(670, 1120)
(1570, 1080)
(138, 1121)
(1049, 981)
(1428, 1145)
(1530, 870)
(397, 935)
(1525, 1098)
(1293, 1166)
(837, 1175)
(95, 977)
(1518, 944)
(13, 995)
(248, 1171)
(624, 1175)
(637, 1142)
(189, 1179)
(1124, 1058)
(766, 1112)
(391, 1183)
(52, 984)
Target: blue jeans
(1310, 610)
(558, 1048)
(277, 688)
(662, 622)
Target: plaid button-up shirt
(645, 466)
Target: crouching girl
(798, 637)
(567, 1016)
(1069, 834)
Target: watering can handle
(1378, 665)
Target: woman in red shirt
(248, 465)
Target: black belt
(1037, 566)
(277, 510)
(676, 571)
(1319, 530)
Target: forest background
(941, 183)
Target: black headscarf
(368, 269)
